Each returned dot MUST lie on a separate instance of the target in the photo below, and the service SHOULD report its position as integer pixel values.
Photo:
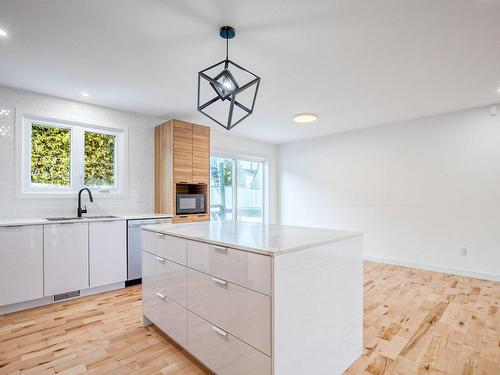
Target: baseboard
(26, 305)
(431, 267)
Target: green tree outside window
(50, 155)
(99, 160)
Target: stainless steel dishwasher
(134, 248)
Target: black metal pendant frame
(230, 96)
(227, 32)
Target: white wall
(140, 197)
(420, 190)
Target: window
(100, 166)
(237, 188)
(59, 158)
(50, 155)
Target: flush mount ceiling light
(3, 33)
(84, 94)
(305, 118)
(235, 89)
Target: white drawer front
(168, 247)
(242, 312)
(164, 276)
(240, 267)
(165, 314)
(223, 353)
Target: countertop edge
(41, 221)
(349, 234)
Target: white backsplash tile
(141, 157)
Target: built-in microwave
(190, 204)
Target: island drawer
(164, 276)
(247, 269)
(167, 315)
(242, 312)
(168, 247)
(223, 353)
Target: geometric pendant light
(226, 90)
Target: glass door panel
(250, 192)
(221, 188)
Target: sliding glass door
(237, 188)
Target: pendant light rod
(227, 32)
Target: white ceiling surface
(355, 63)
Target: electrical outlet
(464, 251)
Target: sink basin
(62, 218)
(100, 217)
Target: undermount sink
(101, 217)
(63, 218)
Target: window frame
(26, 189)
(265, 180)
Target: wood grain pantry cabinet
(183, 152)
(21, 266)
(66, 257)
(182, 166)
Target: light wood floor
(416, 322)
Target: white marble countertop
(268, 239)
(87, 218)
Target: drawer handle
(162, 236)
(220, 248)
(219, 331)
(160, 295)
(160, 259)
(219, 281)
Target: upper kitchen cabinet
(183, 152)
(21, 254)
(182, 169)
(201, 154)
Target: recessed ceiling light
(85, 94)
(3, 33)
(498, 90)
(305, 118)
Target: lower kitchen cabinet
(170, 317)
(107, 252)
(21, 266)
(66, 260)
(223, 353)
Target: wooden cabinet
(107, 252)
(66, 258)
(182, 165)
(201, 154)
(183, 152)
(21, 255)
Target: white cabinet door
(21, 263)
(108, 252)
(66, 262)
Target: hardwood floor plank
(416, 322)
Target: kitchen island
(251, 298)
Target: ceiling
(356, 63)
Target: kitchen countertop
(268, 239)
(41, 221)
